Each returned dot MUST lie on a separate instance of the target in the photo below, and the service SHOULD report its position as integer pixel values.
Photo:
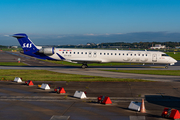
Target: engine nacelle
(47, 51)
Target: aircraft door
(90, 54)
(154, 58)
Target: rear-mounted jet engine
(47, 51)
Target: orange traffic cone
(142, 108)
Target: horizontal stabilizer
(18, 36)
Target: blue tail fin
(27, 45)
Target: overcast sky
(81, 21)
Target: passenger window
(107, 53)
(70, 52)
(119, 53)
(94, 53)
(100, 53)
(111, 53)
(139, 54)
(74, 52)
(104, 53)
(81, 52)
(142, 54)
(89, 53)
(127, 54)
(77, 52)
(146, 54)
(134, 54)
(123, 53)
(131, 54)
(115, 53)
(66, 52)
(62, 52)
(85, 52)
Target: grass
(44, 75)
(11, 64)
(175, 56)
(152, 72)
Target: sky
(60, 22)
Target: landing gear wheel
(166, 67)
(84, 66)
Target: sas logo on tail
(27, 45)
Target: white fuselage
(103, 56)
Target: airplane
(87, 56)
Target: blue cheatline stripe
(53, 50)
(60, 56)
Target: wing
(86, 61)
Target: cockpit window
(164, 55)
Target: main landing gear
(84, 66)
(166, 66)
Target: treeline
(140, 45)
(1, 46)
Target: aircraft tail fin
(27, 45)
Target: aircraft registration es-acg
(86, 56)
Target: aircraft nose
(175, 61)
